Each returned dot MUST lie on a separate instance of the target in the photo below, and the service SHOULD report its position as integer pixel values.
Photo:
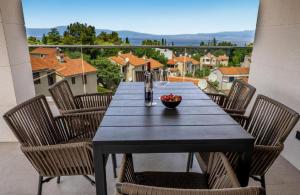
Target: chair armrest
(234, 111)
(134, 189)
(263, 157)
(61, 159)
(79, 125)
(218, 98)
(241, 119)
(94, 100)
(83, 110)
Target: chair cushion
(172, 180)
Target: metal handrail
(140, 46)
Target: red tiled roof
(38, 64)
(234, 70)
(171, 61)
(182, 59)
(73, 67)
(51, 52)
(133, 60)
(154, 64)
(70, 67)
(119, 60)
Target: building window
(36, 78)
(231, 79)
(84, 79)
(73, 80)
(51, 79)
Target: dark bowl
(171, 105)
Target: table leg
(243, 169)
(100, 171)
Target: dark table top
(196, 120)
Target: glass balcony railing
(93, 68)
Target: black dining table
(196, 125)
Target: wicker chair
(67, 103)
(236, 102)
(220, 180)
(238, 98)
(269, 122)
(55, 146)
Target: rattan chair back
(270, 122)
(62, 95)
(239, 96)
(32, 123)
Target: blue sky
(148, 16)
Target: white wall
(275, 68)
(16, 82)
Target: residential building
(182, 65)
(208, 60)
(49, 65)
(129, 64)
(166, 52)
(226, 75)
(223, 60)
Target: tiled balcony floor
(17, 176)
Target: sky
(165, 17)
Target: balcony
(196, 64)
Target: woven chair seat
(172, 180)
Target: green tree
(204, 72)
(112, 38)
(53, 37)
(151, 53)
(44, 39)
(109, 74)
(214, 41)
(79, 33)
(33, 40)
(202, 43)
(127, 40)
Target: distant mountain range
(237, 37)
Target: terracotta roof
(133, 60)
(234, 70)
(70, 67)
(51, 52)
(182, 59)
(171, 61)
(38, 64)
(154, 64)
(119, 60)
(223, 57)
(183, 79)
(195, 62)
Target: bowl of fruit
(171, 101)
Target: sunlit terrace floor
(17, 176)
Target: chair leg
(114, 161)
(263, 182)
(188, 162)
(40, 185)
(58, 179)
(192, 160)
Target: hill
(237, 37)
